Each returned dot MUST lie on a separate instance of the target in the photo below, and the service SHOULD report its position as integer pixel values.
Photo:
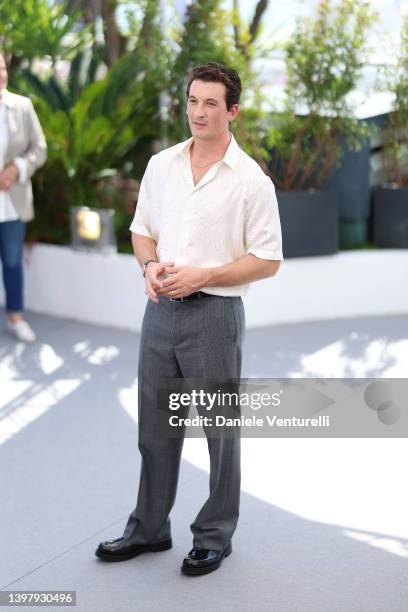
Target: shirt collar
(230, 157)
(7, 98)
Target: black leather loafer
(202, 561)
(120, 550)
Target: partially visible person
(22, 150)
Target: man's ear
(235, 110)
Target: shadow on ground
(70, 471)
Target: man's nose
(199, 111)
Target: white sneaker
(21, 330)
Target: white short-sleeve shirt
(231, 212)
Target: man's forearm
(246, 269)
(144, 248)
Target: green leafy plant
(88, 144)
(324, 59)
(395, 132)
(59, 95)
(32, 29)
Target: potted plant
(390, 212)
(324, 58)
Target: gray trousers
(196, 339)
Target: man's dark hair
(217, 73)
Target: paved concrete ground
(323, 523)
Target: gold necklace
(213, 162)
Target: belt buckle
(176, 299)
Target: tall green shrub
(324, 59)
(395, 133)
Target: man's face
(207, 110)
(3, 73)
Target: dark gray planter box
(356, 172)
(390, 218)
(310, 222)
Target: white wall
(108, 289)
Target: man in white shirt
(206, 225)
